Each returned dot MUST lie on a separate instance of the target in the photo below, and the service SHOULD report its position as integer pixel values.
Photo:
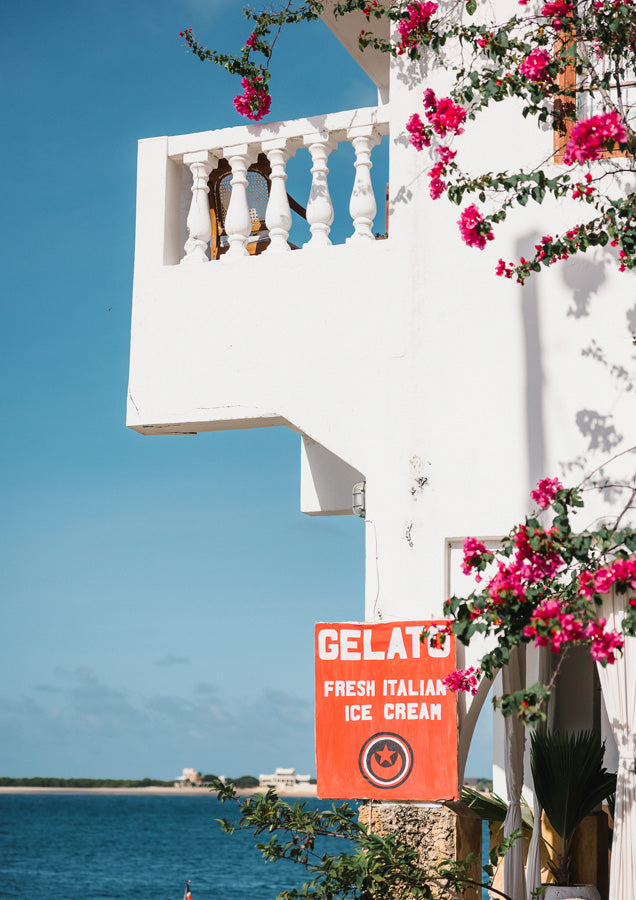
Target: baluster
(238, 225)
(278, 216)
(200, 164)
(362, 207)
(319, 206)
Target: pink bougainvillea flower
(474, 231)
(462, 680)
(417, 132)
(590, 137)
(251, 41)
(546, 491)
(534, 65)
(444, 115)
(473, 555)
(255, 101)
(557, 10)
(410, 28)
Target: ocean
(131, 847)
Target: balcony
(241, 340)
(181, 169)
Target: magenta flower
(557, 10)
(590, 137)
(255, 102)
(474, 230)
(417, 132)
(535, 64)
(546, 491)
(251, 41)
(444, 115)
(410, 29)
(462, 680)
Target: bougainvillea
(545, 586)
(551, 58)
(254, 103)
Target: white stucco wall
(407, 361)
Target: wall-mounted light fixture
(358, 500)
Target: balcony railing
(240, 147)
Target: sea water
(129, 847)
(106, 847)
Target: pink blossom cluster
(552, 626)
(437, 186)
(251, 41)
(535, 565)
(485, 39)
(603, 643)
(546, 490)
(255, 102)
(473, 554)
(583, 190)
(367, 9)
(444, 115)
(418, 15)
(473, 228)
(462, 680)
(602, 580)
(590, 137)
(542, 249)
(557, 10)
(506, 584)
(505, 269)
(417, 132)
(535, 64)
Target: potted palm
(570, 781)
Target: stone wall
(434, 830)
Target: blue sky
(150, 620)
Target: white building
(188, 778)
(284, 780)
(402, 363)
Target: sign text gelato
(386, 725)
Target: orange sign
(386, 725)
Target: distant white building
(189, 778)
(283, 780)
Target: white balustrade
(238, 223)
(240, 146)
(319, 206)
(278, 218)
(198, 222)
(362, 206)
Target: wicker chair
(258, 188)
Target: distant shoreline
(309, 791)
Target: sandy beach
(168, 791)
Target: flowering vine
(544, 585)
(553, 57)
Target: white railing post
(362, 207)
(319, 206)
(238, 225)
(198, 222)
(278, 217)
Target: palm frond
(492, 807)
(569, 777)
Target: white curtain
(618, 682)
(533, 862)
(514, 679)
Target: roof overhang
(347, 29)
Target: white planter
(572, 892)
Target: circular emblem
(386, 760)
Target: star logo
(385, 756)
(386, 760)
